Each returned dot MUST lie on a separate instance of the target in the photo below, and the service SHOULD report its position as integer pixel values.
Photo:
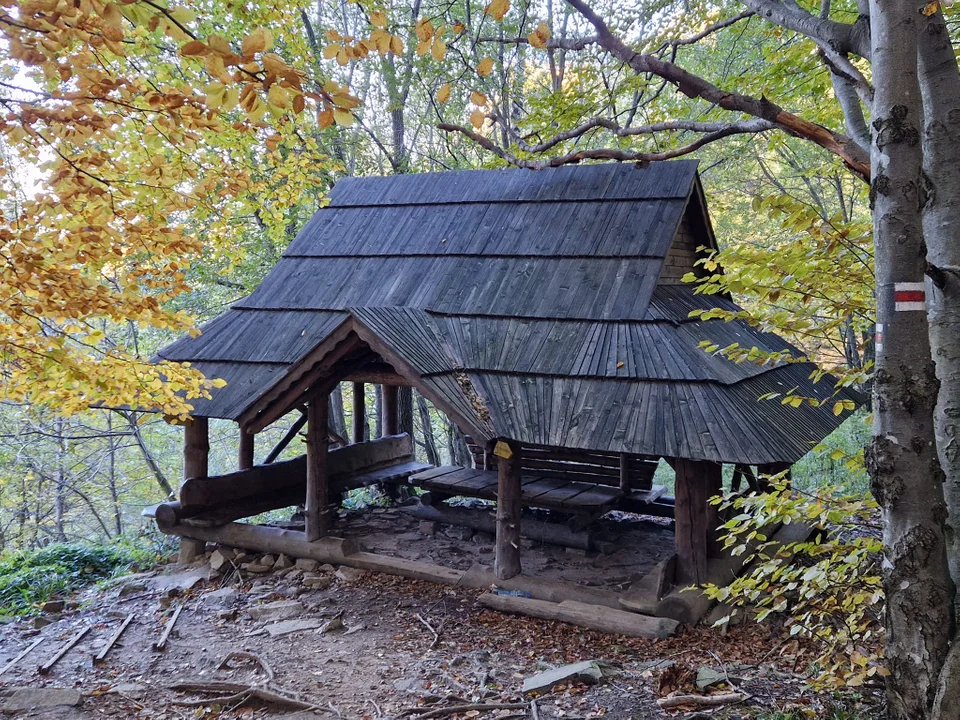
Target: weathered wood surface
(484, 521)
(196, 448)
(45, 668)
(246, 451)
(696, 519)
(595, 617)
(391, 410)
(509, 507)
(317, 506)
(359, 412)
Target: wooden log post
(247, 446)
(196, 457)
(624, 473)
(696, 520)
(317, 506)
(405, 410)
(390, 425)
(359, 411)
(507, 561)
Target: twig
(241, 655)
(376, 707)
(161, 643)
(436, 635)
(443, 712)
(700, 700)
(22, 655)
(240, 693)
(48, 665)
(534, 710)
(335, 709)
(101, 656)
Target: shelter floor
(637, 542)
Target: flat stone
(279, 610)
(589, 671)
(183, 580)
(256, 568)
(224, 596)
(268, 560)
(307, 565)
(291, 626)
(282, 563)
(133, 690)
(53, 606)
(41, 621)
(132, 588)
(349, 574)
(219, 561)
(38, 698)
(427, 527)
(318, 582)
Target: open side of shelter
(544, 314)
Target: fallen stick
(239, 693)
(48, 665)
(161, 643)
(21, 656)
(436, 635)
(425, 713)
(101, 656)
(534, 710)
(241, 655)
(700, 700)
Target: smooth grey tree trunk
(429, 441)
(902, 460)
(940, 86)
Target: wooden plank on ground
(595, 617)
(48, 665)
(22, 655)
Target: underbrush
(27, 579)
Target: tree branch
(839, 37)
(552, 43)
(712, 29)
(855, 157)
(749, 126)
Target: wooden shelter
(544, 312)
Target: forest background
(192, 209)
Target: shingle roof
(536, 289)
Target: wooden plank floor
(570, 496)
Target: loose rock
(37, 698)
(280, 610)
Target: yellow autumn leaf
(278, 97)
(330, 51)
(538, 38)
(396, 45)
(258, 41)
(214, 65)
(378, 19)
(443, 94)
(476, 118)
(497, 8)
(931, 8)
(478, 98)
(424, 29)
(438, 50)
(343, 117)
(459, 28)
(111, 15)
(485, 66)
(219, 44)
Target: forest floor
(359, 645)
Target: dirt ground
(380, 647)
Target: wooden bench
(221, 499)
(573, 496)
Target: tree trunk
(377, 412)
(60, 483)
(405, 409)
(112, 476)
(429, 442)
(337, 421)
(905, 473)
(940, 86)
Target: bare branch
(745, 127)
(840, 37)
(712, 29)
(552, 43)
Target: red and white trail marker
(909, 297)
(878, 338)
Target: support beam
(507, 561)
(285, 440)
(624, 473)
(317, 506)
(359, 411)
(196, 448)
(391, 410)
(696, 520)
(247, 443)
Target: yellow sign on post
(502, 449)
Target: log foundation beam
(317, 505)
(196, 448)
(509, 505)
(696, 519)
